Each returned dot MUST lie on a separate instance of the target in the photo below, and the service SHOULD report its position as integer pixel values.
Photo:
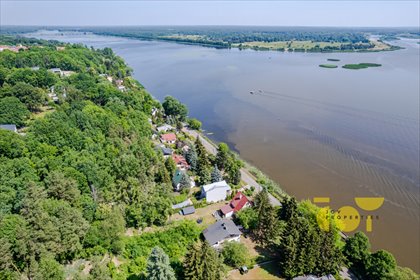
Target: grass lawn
(206, 213)
(42, 112)
(267, 271)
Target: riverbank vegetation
(299, 39)
(328, 66)
(361, 66)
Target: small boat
(251, 92)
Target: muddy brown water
(318, 132)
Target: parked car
(243, 269)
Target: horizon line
(204, 25)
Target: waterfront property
(215, 192)
(238, 202)
(164, 128)
(169, 138)
(180, 162)
(222, 231)
(176, 180)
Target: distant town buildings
(12, 48)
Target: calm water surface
(318, 132)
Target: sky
(270, 13)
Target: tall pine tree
(216, 175)
(203, 163)
(191, 157)
(158, 266)
(193, 263)
(202, 262)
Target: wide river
(318, 132)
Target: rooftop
(216, 185)
(220, 231)
(238, 201)
(10, 127)
(188, 210)
(168, 137)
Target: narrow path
(245, 175)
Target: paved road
(245, 175)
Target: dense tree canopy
(81, 173)
(175, 108)
(13, 111)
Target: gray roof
(166, 151)
(188, 210)
(182, 204)
(220, 231)
(10, 127)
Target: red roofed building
(180, 162)
(168, 138)
(238, 202)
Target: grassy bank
(361, 66)
(328, 66)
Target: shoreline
(225, 45)
(247, 174)
(216, 46)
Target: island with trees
(89, 186)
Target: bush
(248, 218)
(194, 124)
(235, 254)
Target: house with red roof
(238, 202)
(169, 138)
(180, 162)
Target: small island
(361, 66)
(328, 66)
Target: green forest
(83, 169)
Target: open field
(287, 45)
(205, 213)
(268, 271)
(183, 37)
(44, 110)
(312, 46)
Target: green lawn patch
(328, 66)
(333, 59)
(361, 66)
